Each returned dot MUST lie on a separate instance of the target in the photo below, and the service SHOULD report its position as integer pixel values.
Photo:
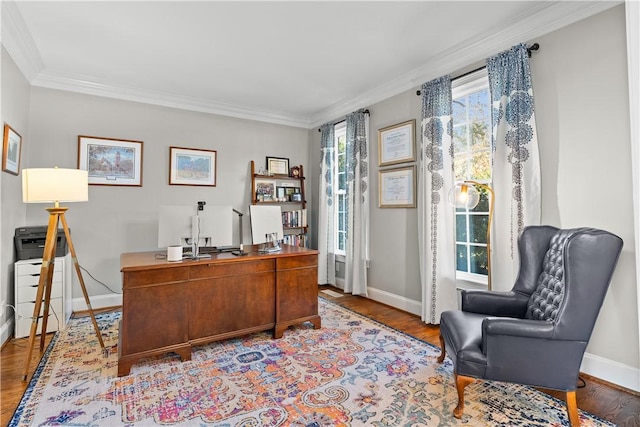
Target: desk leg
(279, 329)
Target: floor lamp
(46, 185)
(466, 196)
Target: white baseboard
(611, 371)
(97, 301)
(402, 303)
(6, 331)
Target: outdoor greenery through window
(340, 132)
(472, 162)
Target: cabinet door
(153, 317)
(226, 306)
(297, 288)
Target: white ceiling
(298, 63)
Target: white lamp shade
(46, 185)
(464, 196)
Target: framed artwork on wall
(11, 150)
(192, 166)
(277, 166)
(397, 143)
(397, 187)
(110, 161)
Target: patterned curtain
(516, 163)
(357, 158)
(436, 218)
(326, 215)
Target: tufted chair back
(548, 296)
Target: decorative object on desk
(308, 377)
(191, 166)
(174, 253)
(110, 161)
(11, 150)
(54, 186)
(397, 188)
(266, 189)
(295, 171)
(277, 166)
(397, 143)
(464, 195)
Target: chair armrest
(491, 303)
(524, 328)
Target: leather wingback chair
(535, 334)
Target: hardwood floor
(606, 401)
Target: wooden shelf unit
(294, 213)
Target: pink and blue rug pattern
(351, 372)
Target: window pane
(461, 228)
(478, 228)
(461, 258)
(479, 260)
(459, 139)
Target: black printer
(29, 242)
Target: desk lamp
(54, 185)
(465, 196)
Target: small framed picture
(280, 193)
(191, 166)
(11, 150)
(110, 161)
(397, 143)
(277, 166)
(265, 191)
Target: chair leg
(442, 352)
(461, 383)
(572, 409)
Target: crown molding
(87, 86)
(549, 17)
(18, 41)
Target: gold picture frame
(11, 150)
(397, 143)
(397, 187)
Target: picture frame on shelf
(277, 166)
(397, 143)
(192, 166)
(397, 187)
(288, 191)
(280, 193)
(111, 161)
(266, 191)
(11, 150)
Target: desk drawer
(213, 270)
(297, 262)
(34, 268)
(158, 276)
(33, 279)
(28, 293)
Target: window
(340, 190)
(472, 162)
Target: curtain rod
(340, 121)
(531, 48)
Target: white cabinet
(27, 277)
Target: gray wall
(125, 219)
(15, 112)
(580, 88)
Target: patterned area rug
(351, 372)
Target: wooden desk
(172, 306)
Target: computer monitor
(265, 220)
(184, 225)
(175, 225)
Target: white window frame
(339, 130)
(460, 87)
